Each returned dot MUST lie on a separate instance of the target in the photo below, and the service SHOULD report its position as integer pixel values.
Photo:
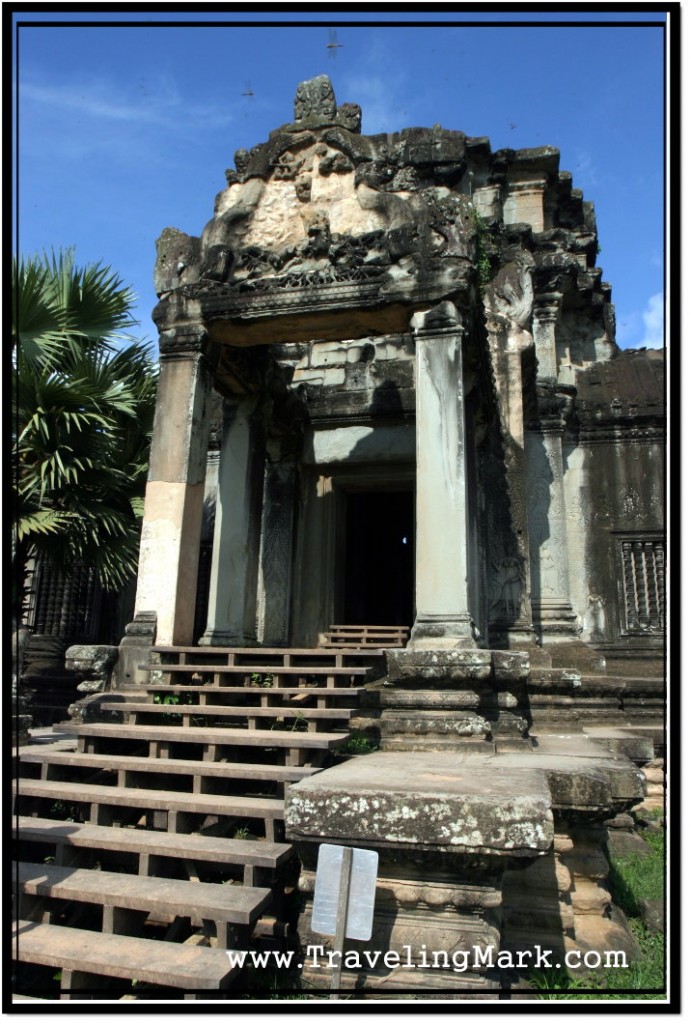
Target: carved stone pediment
(319, 205)
(321, 217)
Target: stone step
(622, 742)
(252, 854)
(175, 804)
(236, 904)
(187, 711)
(631, 686)
(556, 680)
(167, 766)
(120, 956)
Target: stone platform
(464, 802)
(462, 837)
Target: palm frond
(45, 521)
(83, 414)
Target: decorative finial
(315, 98)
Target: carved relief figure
(509, 586)
(595, 619)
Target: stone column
(276, 549)
(441, 586)
(509, 605)
(171, 530)
(551, 603)
(230, 619)
(545, 316)
(552, 610)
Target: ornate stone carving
(187, 339)
(217, 263)
(509, 589)
(510, 294)
(288, 166)
(177, 260)
(303, 188)
(315, 98)
(595, 618)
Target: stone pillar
(274, 585)
(231, 605)
(552, 610)
(545, 316)
(551, 603)
(171, 529)
(441, 585)
(509, 611)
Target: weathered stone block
(423, 801)
(590, 898)
(653, 914)
(446, 666)
(92, 664)
(586, 863)
(543, 874)
(637, 748)
(439, 722)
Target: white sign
(361, 892)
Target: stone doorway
(379, 558)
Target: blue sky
(124, 131)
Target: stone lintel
(453, 803)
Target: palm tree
(84, 394)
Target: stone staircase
(157, 843)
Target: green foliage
(172, 699)
(166, 698)
(83, 397)
(483, 259)
(634, 878)
(358, 743)
(259, 679)
(298, 723)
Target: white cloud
(643, 328)
(88, 102)
(152, 102)
(654, 322)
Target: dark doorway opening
(379, 572)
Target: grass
(632, 878)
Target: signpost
(344, 894)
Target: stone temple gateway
(405, 329)
(426, 421)
(391, 395)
